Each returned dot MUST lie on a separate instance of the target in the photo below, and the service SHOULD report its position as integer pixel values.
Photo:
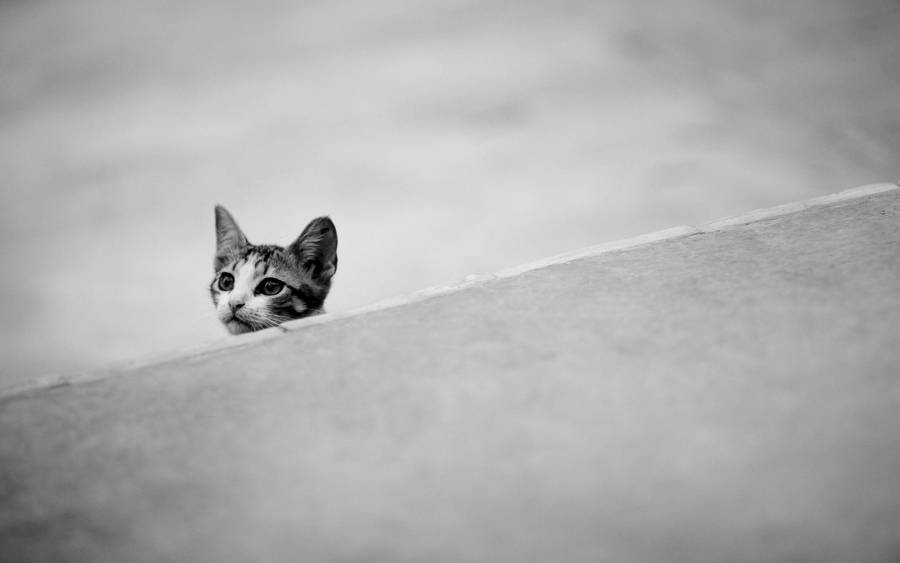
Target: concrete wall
(724, 393)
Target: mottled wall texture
(443, 137)
(728, 395)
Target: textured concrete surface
(722, 396)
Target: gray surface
(730, 396)
(442, 136)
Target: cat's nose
(235, 305)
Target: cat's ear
(316, 249)
(230, 240)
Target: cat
(261, 286)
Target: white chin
(237, 327)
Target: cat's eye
(226, 282)
(270, 286)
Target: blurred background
(443, 137)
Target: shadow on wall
(443, 139)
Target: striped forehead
(247, 271)
(253, 264)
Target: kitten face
(260, 286)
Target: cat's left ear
(316, 249)
(229, 237)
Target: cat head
(260, 286)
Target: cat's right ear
(230, 240)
